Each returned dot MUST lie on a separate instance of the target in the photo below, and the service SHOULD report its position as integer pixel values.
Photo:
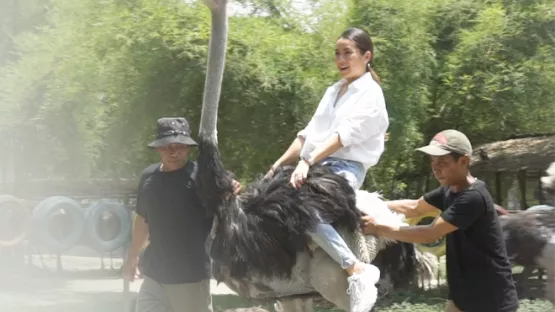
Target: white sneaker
(362, 290)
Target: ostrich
(258, 244)
(530, 236)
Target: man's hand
(371, 227)
(368, 225)
(129, 269)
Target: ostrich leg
(294, 305)
(522, 281)
(547, 261)
(331, 284)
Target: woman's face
(349, 61)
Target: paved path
(82, 287)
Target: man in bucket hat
(175, 265)
(479, 273)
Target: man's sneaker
(362, 290)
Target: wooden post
(126, 298)
(417, 190)
(59, 267)
(498, 190)
(9, 179)
(522, 187)
(541, 196)
(427, 184)
(9, 171)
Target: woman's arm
(330, 146)
(291, 154)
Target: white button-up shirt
(360, 119)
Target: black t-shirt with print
(178, 226)
(478, 270)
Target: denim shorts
(351, 170)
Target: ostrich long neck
(213, 181)
(215, 69)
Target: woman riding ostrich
(261, 239)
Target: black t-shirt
(178, 226)
(478, 270)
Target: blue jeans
(324, 234)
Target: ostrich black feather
(262, 230)
(398, 260)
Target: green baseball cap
(446, 142)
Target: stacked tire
(436, 248)
(15, 221)
(60, 223)
(108, 226)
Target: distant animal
(530, 236)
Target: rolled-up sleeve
(306, 129)
(368, 119)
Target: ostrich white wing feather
(374, 206)
(548, 182)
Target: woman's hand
(299, 175)
(270, 173)
(236, 187)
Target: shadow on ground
(29, 289)
(402, 301)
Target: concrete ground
(81, 286)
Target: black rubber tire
(17, 229)
(43, 217)
(437, 248)
(95, 237)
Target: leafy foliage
(467, 65)
(86, 81)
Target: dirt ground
(81, 286)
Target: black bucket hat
(172, 130)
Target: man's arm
(411, 207)
(418, 233)
(139, 237)
(140, 233)
(460, 215)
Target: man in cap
(479, 273)
(175, 265)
